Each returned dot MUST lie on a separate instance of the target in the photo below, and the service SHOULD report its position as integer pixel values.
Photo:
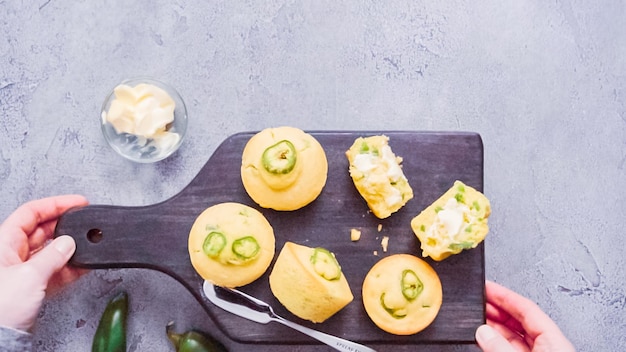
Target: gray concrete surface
(543, 82)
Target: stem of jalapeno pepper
(279, 158)
(193, 341)
(111, 332)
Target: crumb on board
(380, 227)
(375, 252)
(355, 235)
(384, 243)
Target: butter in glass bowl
(144, 120)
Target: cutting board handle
(124, 237)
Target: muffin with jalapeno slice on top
(231, 244)
(454, 222)
(377, 175)
(283, 168)
(402, 294)
(309, 282)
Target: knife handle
(333, 341)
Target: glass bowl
(146, 148)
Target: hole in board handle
(94, 235)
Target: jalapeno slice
(412, 286)
(280, 158)
(214, 243)
(325, 264)
(397, 313)
(246, 248)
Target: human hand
(29, 267)
(515, 323)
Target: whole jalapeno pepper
(193, 341)
(110, 335)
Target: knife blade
(246, 306)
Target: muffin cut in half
(378, 176)
(454, 222)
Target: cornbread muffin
(309, 282)
(283, 168)
(454, 222)
(231, 244)
(402, 294)
(377, 175)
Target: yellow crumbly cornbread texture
(454, 222)
(377, 175)
(397, 302)
(233, 221)
(305, 293)
(290, 190)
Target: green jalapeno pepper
(412, 286)
(213, 244)
(397, 313)
(110, 335)
(280, 158)
(246, 248)
(325, 264)
(193, 341)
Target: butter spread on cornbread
(377, 175)
(455, 221)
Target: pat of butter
(144, 110)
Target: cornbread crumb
(380, 227)
(355, 235)
(384, 243)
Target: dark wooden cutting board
(155, 236)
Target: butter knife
(248, 307)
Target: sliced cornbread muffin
(454, 222)
(377, 175)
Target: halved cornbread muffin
(454, 222)
(377, 175)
